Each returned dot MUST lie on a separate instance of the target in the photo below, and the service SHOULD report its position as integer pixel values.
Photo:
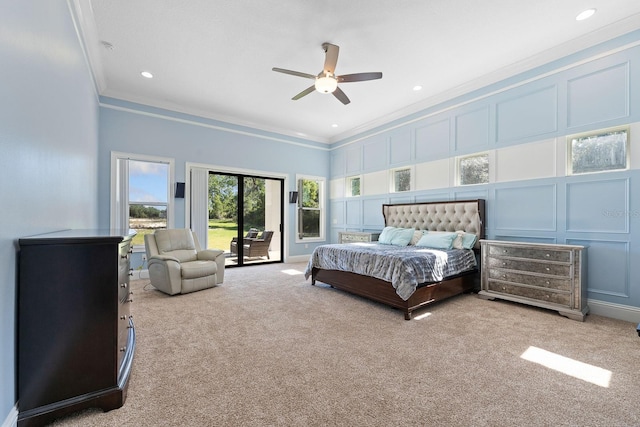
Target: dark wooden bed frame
(426, 293)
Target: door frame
(239, 171)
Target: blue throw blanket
(405, 267)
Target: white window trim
(347, 188)
(569, 164)
(323, 210)
(120, 190)
(392, 179)
(490, 161)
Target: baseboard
(615, 311)
(139, 274)
(12, 418)
(297, 258)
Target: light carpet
(266, 348)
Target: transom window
(354, 186)
(401, 180)
(600, 151)
(473, 169)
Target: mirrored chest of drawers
(357, 236)
(544, 275)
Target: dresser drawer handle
(548, 255)
(123, 349)
(130, 300)
(547, 268)
(504, 276)
(504, 263)
(547, 282)
(123, 317)
(123, 285)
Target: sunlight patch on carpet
(422, 316)
(292, 272)
(568, 366)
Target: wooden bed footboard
(382, 291)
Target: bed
(346, 266)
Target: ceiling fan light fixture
(326, 84)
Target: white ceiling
(213, 58)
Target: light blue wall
(55, 174)
(137, 129)
(601, 211)
(48, 146)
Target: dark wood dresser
(76, 336)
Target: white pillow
(417, 235)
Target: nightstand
(545, 275)
(357, 236)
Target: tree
(223, 203)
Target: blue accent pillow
(437, 240)
(396, 236)
(468, 240)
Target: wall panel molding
(528, 115)
(599, 96)
(598, 206)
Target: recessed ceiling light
(146, 74)
(417, 88)
(585, 14)
(335, 125)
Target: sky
(148, 181)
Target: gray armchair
(177, 264)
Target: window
(353, 186)
(141, 194)
(601, 151)
(310, 218)
(473, 169)
(401, 180)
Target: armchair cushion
(176, 243)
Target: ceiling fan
(327, 81)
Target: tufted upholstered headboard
(454, 215)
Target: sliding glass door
(245, 218)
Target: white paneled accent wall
(526, 161)
(375, 183)
(436, 174)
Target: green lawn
(220, 234)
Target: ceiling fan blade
(358, 77)
(331, 57)
(305, 92)
(294, 73)
(338, 93)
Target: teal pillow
(468, 240)
(437, 240)
(396, 236)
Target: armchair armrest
(209, 254)
(216, 255)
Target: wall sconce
(179, 190)
(293, 197)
